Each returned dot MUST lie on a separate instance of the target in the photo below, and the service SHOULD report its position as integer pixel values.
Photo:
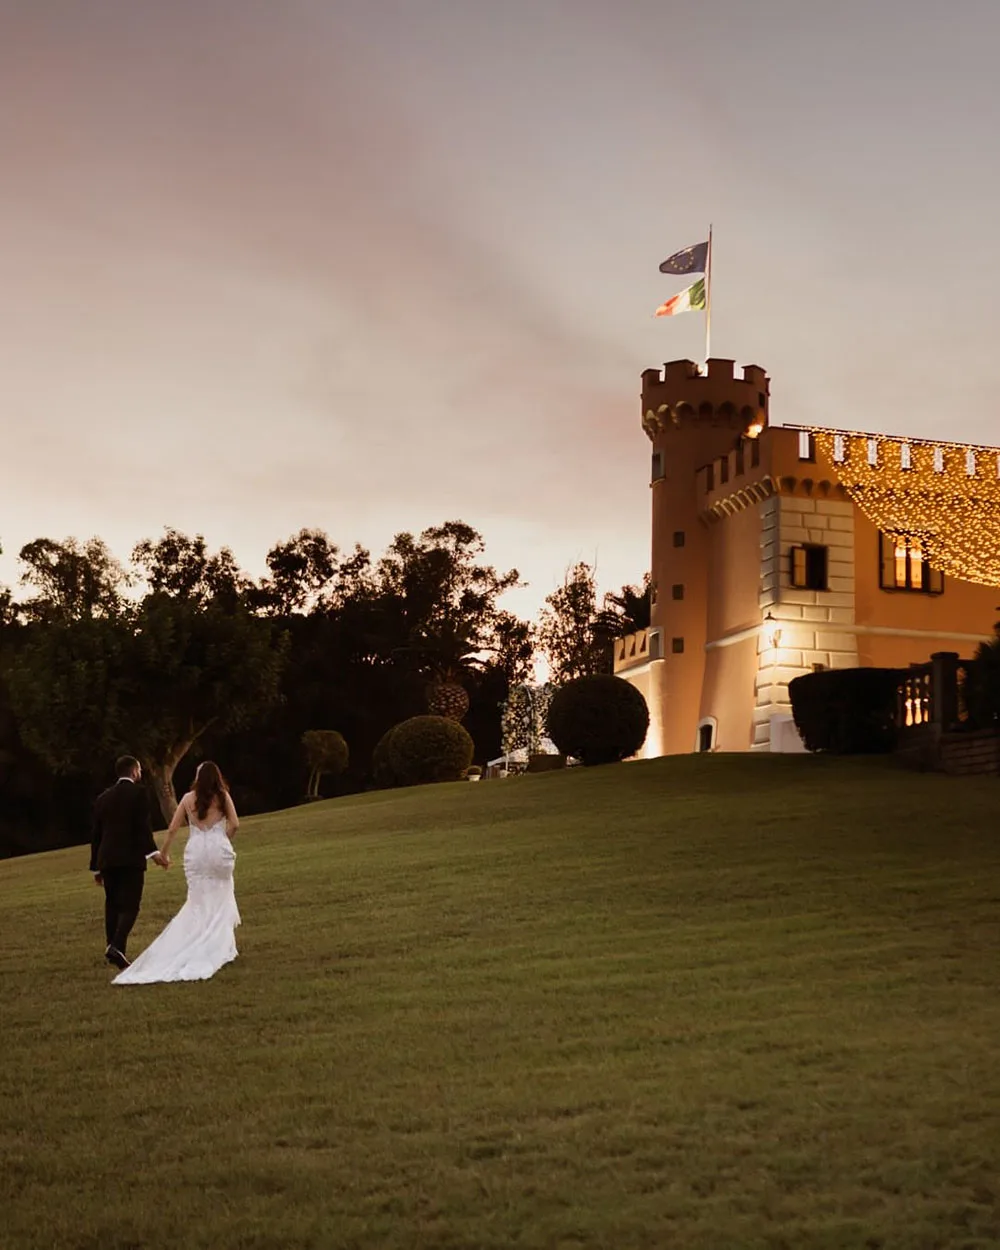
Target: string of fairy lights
(946, 494)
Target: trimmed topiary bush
(598, 720)
(426, 749)
(326, 752)
(382, 771)
(846, 711)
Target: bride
(200, 938)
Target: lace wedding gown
(200, 938)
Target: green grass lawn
(707, 1002)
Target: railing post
(944, 689)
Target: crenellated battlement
(683, 393)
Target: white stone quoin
(809, 624)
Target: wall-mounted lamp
(772, 631)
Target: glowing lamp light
(755, 429)
(772, 632)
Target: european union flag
(689, 260)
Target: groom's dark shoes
(114, 956)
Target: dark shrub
(382, 771)
(846, 711)
(598, 720)
(428, 748)
(981, 685)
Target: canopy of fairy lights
(947, 494)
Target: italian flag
(689, 300)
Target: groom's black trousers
(122, 898)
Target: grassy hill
(712, 1002)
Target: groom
(122, 842)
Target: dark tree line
(179, 655)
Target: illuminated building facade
(779, 550)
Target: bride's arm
(175, 824)
(232, 820)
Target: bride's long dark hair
(209, 786)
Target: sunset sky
(368, 265)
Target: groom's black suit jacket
(123, 832)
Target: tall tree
(438, 576)
(8, 609)
(93, 674)
(568, 631)
(441, 602)
(514, 645)
(300, 571)
(65, 687)
(577, 635)
(180, 565)
(192, 667)
(72, 581)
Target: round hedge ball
(598, 720)
(425, 749)
(382, 770)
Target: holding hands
(161, 859)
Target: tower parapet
(682, 393)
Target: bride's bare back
(214, 814)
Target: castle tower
(694, 422)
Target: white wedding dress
(201, 937)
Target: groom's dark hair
(125, 765)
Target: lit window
(807, 445)
(873, 451)
(938, 459)
(970, 462)
(903, 565)
(839, 448)
(901, 573)
(904, 457)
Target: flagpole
(708, 298)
